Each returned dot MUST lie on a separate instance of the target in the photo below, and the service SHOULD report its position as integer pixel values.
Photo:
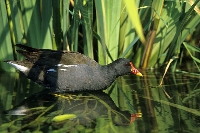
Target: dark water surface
(131, 105)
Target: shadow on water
(131, 104)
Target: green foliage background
(103, 30)
(106, 30)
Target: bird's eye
(127, 64)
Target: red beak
(134, 70)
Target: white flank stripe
(63, 69)
(19, 67)
(66, 65)
(59, 65)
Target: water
(131, 104)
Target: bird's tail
(23, 66)
(27, 48)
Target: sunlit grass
(103, 30)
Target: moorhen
(63, 71)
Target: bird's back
(51, 57)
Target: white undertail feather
(19, 67)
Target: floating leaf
(63, 117)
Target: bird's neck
(114, 69)
(109, 74)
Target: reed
(104, 30)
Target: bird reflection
(85, 107)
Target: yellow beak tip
(139, 74)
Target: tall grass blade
(57, 32)
(108, 24)
(37, 23)
(194, 49)
(174, 47)
(65, 23)
(87, 20)
(73, 40)
(6, 50)
(157, 6)
(134, 17)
